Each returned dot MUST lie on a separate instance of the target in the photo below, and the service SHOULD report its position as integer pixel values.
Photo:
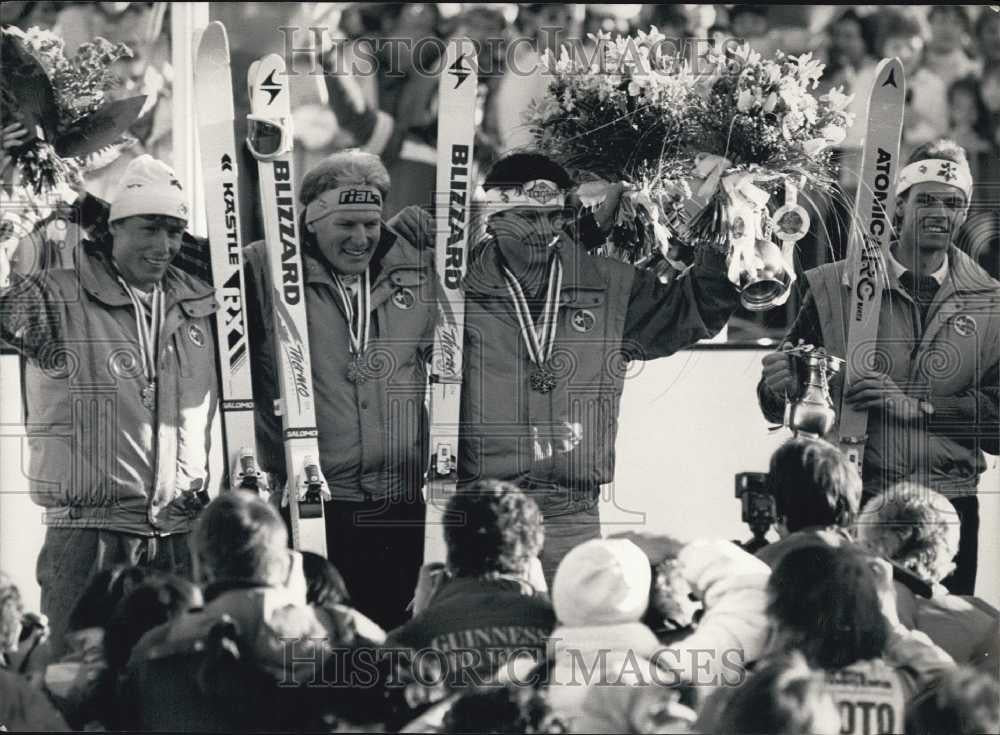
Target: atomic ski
(868, 243)
(217, 145)
(269, 138)
(457, 88)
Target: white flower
(837, 100)
(771, 102)
(745, 101)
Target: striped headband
(350, 198)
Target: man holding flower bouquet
(549, 334)
(934, 399)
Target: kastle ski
(868, 244)
(217, 146)
(457, 88)
(269, 137)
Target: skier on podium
(549, 333)
(120, 389)
(933, 404)
(371, 304)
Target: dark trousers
(572, 516)
(378, 548)
(962, 581)
(71, 556)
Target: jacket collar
(485, 277)
(462, 586)
(98, 277)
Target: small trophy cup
(812, 414)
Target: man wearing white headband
(933, 409)
(120, 388)
(371, 307)
(549, 333)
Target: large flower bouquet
(62, 102)
(702, 153)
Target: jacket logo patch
(964, 324)
(583, 320)
(403, 298)
(196, 335)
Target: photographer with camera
(816, 492)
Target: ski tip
(889, 74)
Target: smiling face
(931, 214)
(347, 238)
(144, 246)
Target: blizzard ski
(269, 137)
(217, 147)
(868, 243)
(457, 88)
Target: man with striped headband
(933, 409)
(371, 306)
(550, 331)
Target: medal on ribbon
(148, 327)
(538, 339)
(357, 310)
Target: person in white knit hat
(120, 392)
(600, 594)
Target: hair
(972, 85)
(159, 599)
(813, 484)
(106, 588)
(782, 697)
(240, 537)
(351, 166)
(867, 27)
(824, 601)
(519, 168)
(492, 528)
(957, 12)
(11, 612)
(510, 709)
(895, 23)
(324, 584)
(909, 525)
(964, 702)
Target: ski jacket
(610, 315)
(98, 458)
(223, 668)
(372, 435)
(952, 362)
(476, 625)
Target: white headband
(536, 193)
(939, 171)
(348, 198)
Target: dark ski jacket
(611, 316)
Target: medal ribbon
(359, 316)
(148, 323)
(539, 341)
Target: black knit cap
(518, 169)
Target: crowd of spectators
(820, 632)
(841, 626)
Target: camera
(757, 504)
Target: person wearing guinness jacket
(487, 605)
(933, 399)
(371, 305)
(120, 392)
(549, 333)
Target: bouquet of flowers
(62, 103)
(703, 153)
